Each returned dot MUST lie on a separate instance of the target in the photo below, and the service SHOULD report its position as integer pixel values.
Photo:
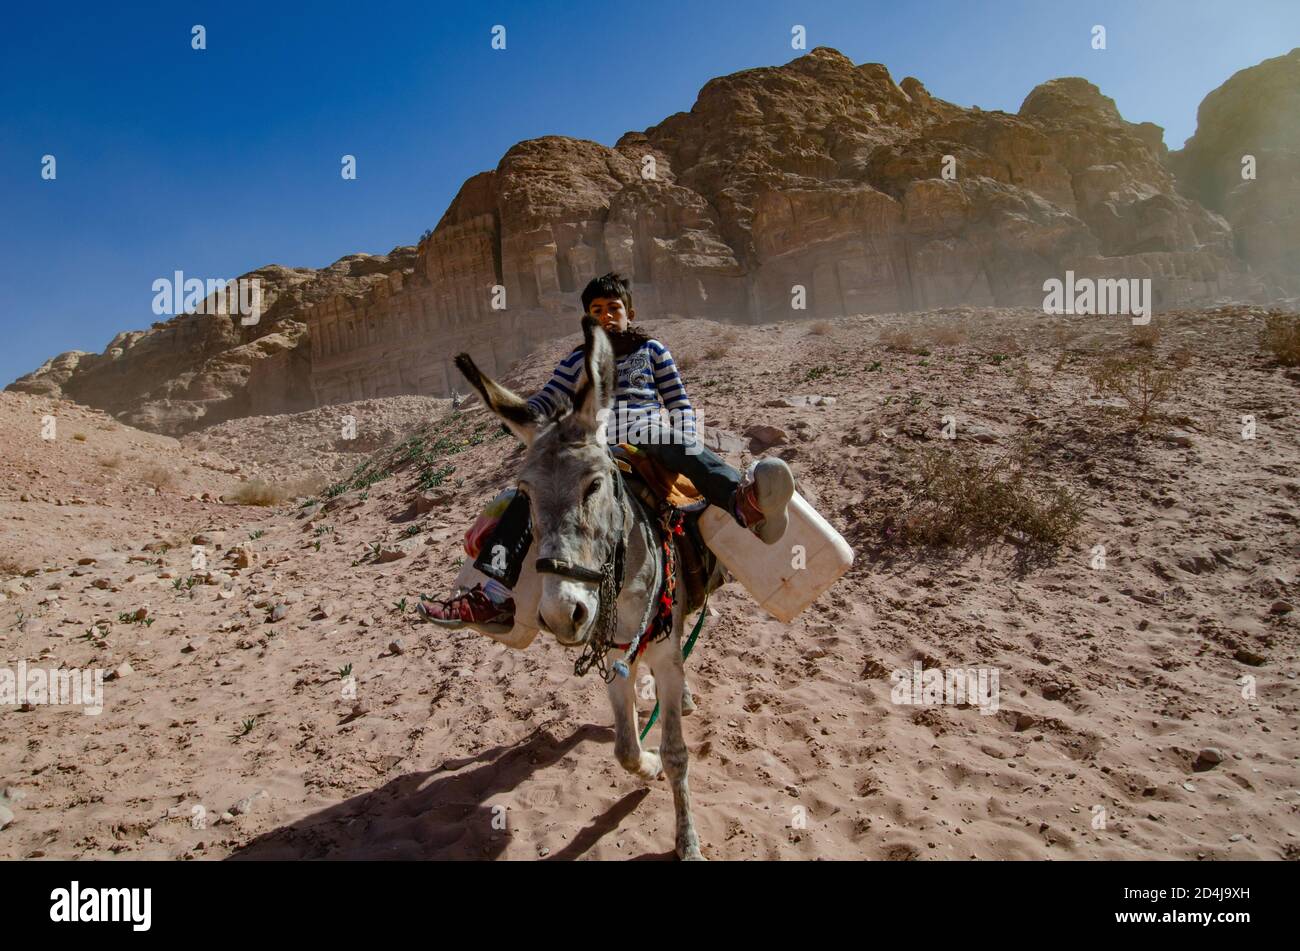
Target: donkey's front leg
(627, 744)
(670, 681)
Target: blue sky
(220, 161)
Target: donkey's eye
(592, 489)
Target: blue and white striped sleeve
(561, 386)
(671, 389)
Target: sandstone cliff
(1255, 114)
(818, 174)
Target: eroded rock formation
(869, 195)
(1244, 162)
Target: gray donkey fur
(567, 474)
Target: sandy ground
(231, 732)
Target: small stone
(6, 817)
(123, 669)
(1281, 607)
(396, 647)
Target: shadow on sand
(445, 813)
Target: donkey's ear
(597, 390)
(508, 406)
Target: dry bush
(1181, 357)
(717, 351)
(1144, 336)
(1005, 342)
(947, 336)
(256, 492)
(820, 328)
(79, 437)
(963, 502)
(261, 492)
(1141, 382)
(1281, 338)
(898, 340)
(1023, 375)
(158, 476)
(111, 462)
(11, 567)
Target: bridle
(610, 578)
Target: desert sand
(1158, 692)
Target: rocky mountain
(869, 195)
(1252, 119)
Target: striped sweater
(648, 383)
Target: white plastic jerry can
(788, 575)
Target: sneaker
(473, 609)
(761, 500)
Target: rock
(6, 817)
(194, 644)
(241, 556)
(278, 613)
(840, 175)
(1249, 657)
(396, 647)
(977, 432)
(1207, 759)
(719, 440)
(1281, 607)
(158, 546)
(1179, 438)
(427, 501)
(389, 553)
(764, 437)
(1241, 118)
(85, 561)
(123, 669)
(800, 402)
(323, 610)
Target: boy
(648, 384)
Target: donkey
(582, 520)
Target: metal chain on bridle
(610, 578)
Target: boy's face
(610, 312)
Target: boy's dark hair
(607, 285)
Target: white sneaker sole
(774, 487)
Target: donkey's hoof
(651, 766)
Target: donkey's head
(567, 476)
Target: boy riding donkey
(648, 385)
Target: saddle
(654, 486)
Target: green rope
(686, 652)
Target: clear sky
(219, 161)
